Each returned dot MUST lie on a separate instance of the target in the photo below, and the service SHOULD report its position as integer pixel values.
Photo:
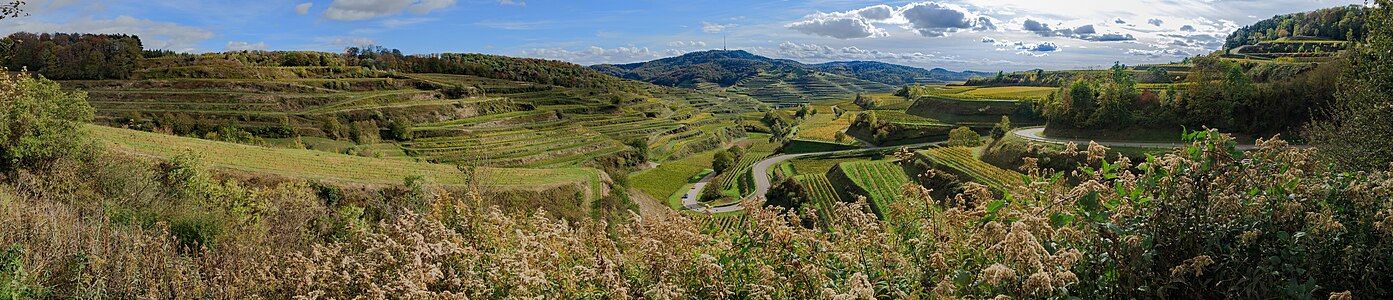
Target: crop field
(962, 160)
(881, 180)
(668, 179)
(1000, 93)
(316, 165)
(740, 171)
(899, 117)
(790, 89)
(824, 127)
(820, 192)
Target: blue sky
(985, 35)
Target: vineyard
(880, 181)
(961, 160)
(821, 193)
(319, 165)
(730, 180)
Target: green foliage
(869, 103)
(39, 121)
(1359, 133)
(1339, 23)
(964, 137)
(72, 56)
(788, 193)
(723, 161)
(1000, 129)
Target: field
(666, 180)
(319, 165)
(961, 160)
(823, 127)
(821, 193)
(881, 182)
(998, 93)
(785, 89)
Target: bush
(39, 121)
(964, 137)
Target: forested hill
(895, 74)
(726, 68)
(1344, 23)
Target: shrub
(39, 121)
(964, 137)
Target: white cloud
(245, 46)
(1157, 53)
(1085, 32)
(153, 34)
(837, 27)
(303, 8)
(511, 2)
(1155, 22)
(356, 10)
(714, 27)
(930, 19)
(348, 42)
(685, 44)
(937, 19)
(597, 55)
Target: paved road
(1037, 134)
(761, 175)
(690, 200)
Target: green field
(961, 160)
(666, 180)
(880, 181)
(1000, 93)
(319, 165)
(821, 193)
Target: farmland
(962, 161)
(880, 182)
(821, 193)
(319, 165)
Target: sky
(982, 35)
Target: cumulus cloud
(303, 8)
(837, 27)
(245, 46)
(1037, 47)
(356, 10)
(1119, 21)
(988, 40)
(153, 34)
(346, 42)
(1154, 22)
(937, 19)
(597, 55)
(1187, 28)
(511, 2)
(930, 19)
(1085, 32)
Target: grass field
(824, 127)
(668, 178)
(963, 161)
(821, 193)
(311, 164)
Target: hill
(777, 80)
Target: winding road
(762, 183)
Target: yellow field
(1010, 92)
(311, 164)
(823, 128)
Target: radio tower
(723, 41)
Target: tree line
(1336, 23)
(72, 55)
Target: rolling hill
(778, 81)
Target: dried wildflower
(1021, 248)
(998, 273)
(944, 288)
(1247, 238)
(1039, 284)
(1065, 278)
(1001, 297)
(1096, 153)
(1194, 266)
(1067, 258)
(1323, 223)
(859, 286)
(1070, 149)
(1345, 295)
(937, 261)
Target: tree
(640, 145)
(39, 121)
(1359, 132)
(14, 9)
(964, 137)
(788, 193)
(399, 129)
(841, 137)
(1000, 129)
(867, 102)
(722, 161)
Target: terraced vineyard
(317, 165)
(821, 193)
(962, 161)
(881, 181)
(791, 88)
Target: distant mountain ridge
(778, 80)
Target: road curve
(1037, 134)
(761, 176)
